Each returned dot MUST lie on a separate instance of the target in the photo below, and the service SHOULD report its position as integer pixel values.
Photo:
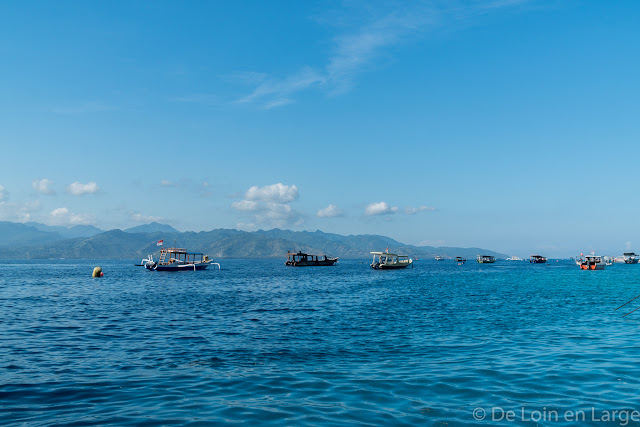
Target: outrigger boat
(387, 261)
(460, 259)
(486, 259)
(537, 259)
(305, 260)
(178, 259)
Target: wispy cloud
(357, 49)
(275, 92)
(16, 211)
(413, 211)
(143, 219)
(62, 216)
(79, 189)
(43, 186)
(168, 183)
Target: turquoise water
(261, 343)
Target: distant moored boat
(178, 259)
(301, 259)
(537, 259)
(486, 259)
(388, 261)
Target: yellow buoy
(97, 272)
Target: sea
(259, 343)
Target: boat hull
(321, 263)
(592, 267)
(181, 267)
(389, 267)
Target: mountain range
(39, 241)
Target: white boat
(439, 258)
(486, 259)
(514, 258)
(178, 259)
(591, 262)
(388, 261)
(630, 258)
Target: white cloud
(17, 211)
(78, 189)
(279, 193)
(4, 194)
(62, 216)
(269, 205)
(330, 211)
(380, 208)
(143, 219)
(167, 183)
(413, 211)
(245, 205)
(43, 186)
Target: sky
(510, 125)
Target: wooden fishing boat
(537, 259)
(301, 259)
(460, 259)
(486, 259)
(178, 259)
(630, 258)
(388, 261)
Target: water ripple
(260, 343)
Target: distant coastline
(38, 241)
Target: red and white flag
(160, 242)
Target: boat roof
(179, 251)
(302, 253)
(388, 253)
(630, 254)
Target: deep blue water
(261, 343)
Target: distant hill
(17, 234)
(67, 232)
(225, 243)
(152, 228)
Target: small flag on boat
(387, 250)
(160, 242)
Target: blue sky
(509, 125)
